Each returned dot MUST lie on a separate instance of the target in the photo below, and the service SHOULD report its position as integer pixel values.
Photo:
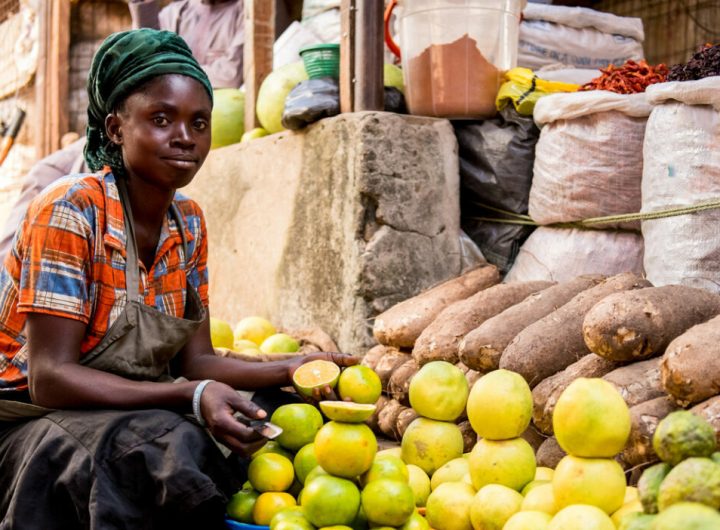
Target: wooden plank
(369, 94)
(257, 53)
(347, 54)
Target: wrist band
(196, 400)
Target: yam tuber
(399, 383)
(644, 418)
(637, 382)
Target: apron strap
(132, 269)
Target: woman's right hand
(218, 404)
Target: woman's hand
(218, 404)
(340, 359)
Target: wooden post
(257, 53)
(347, 54)
(52, 76)
(369, 93)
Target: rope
(521, 219)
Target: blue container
(236, 525)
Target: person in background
(109, 387)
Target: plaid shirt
(68, 260)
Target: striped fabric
(68, 260)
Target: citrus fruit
(544, 473)
(429, 444)
(293, 512)
(293, 523)
(631, 494)
(336, 527)
(345, 449)
(507, 462)
(315, 374)
(240, 506)
(452, 471)
(388, 467)
(439, 391)
(541, 499)
(227, 122)
(630, 507)
(387, 502)
(393, 77)
(500, 405)
(359, 384)
(687, 516)
(637, 521)
(221, 334)
(300, 423)
(682, 434)
(273, 92)
(270, 503)
(692, 480)
(271, 446)
(532, 485)
(257, 132)
(415, 522)
(270, 472)
(419, 482)
(315, 472)
(279, 343)
(254, 329)
(528, 521)
(347, 412)
(596, 481)
(360, 522)
(304, 462)
(649, 486)
(245, 346)
(591, 419)
(393, 451)
(493, 505)
(329, 501)
(581, 517)
(448, 507)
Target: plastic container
(321, 60)
(237, 525)
(454, 53)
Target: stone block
(334, 224)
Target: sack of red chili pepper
(630, 78)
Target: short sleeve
(56, 243)
(197, 271)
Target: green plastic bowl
(321, 60)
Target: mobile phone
(266, 429)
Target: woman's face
(164, 130)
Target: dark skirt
(149, 469)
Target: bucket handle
(388, 38)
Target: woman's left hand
(340, 359)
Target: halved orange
(315, 374)
(346, 411)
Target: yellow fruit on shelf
(359, 384)
(544, 473)
(500, 405)
(279, 343)
(387, 502)
(419, 482)
(541, 499)
(270, 503)
(271, 446)
(596, 481)
(581, 517)
(631, 507)
(448, 507)
(346, 411)
(345, 449)
(528, 521)
(386, 467)
(240, 506)
(493, 505)
(221, 334)
(591, 419)
(304, 462)
(315, 374)
(429, 444)
(255, 329)
(329, 501)
(439, 391)
(452, 471)
(510, 463)
(271, 472)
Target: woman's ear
(113, 127)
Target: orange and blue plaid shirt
(68, 260)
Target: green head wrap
(123, 62)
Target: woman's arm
(57, 380)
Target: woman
(103, 301)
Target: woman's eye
(160, 121)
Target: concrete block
(334, 224)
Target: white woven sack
(577, 37)
(560, 254)
(682, 168)
(588, 160)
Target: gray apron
(142, 341)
